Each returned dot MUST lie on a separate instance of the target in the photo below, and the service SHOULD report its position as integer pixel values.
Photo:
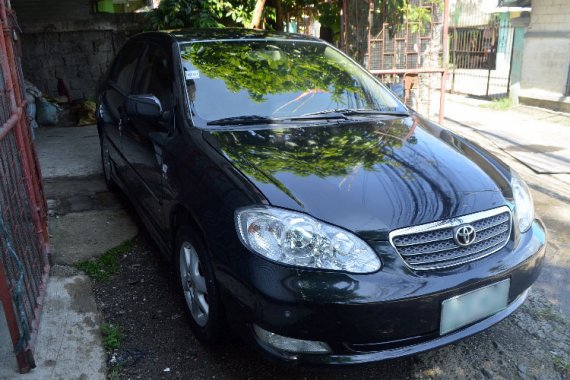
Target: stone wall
(79, 58)
(65, 39)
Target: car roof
(193, 35)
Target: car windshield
(277, 79)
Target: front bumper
(366, 318)
(355, 357)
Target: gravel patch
(142, 300)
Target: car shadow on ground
(143, 301)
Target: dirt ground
(533, 343)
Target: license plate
(464, 309)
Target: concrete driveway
(85, 220)
(536, 143)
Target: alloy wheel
(194, 284)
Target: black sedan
(304, 205)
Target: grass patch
(114, 373)
(108, 264)
(550, 314)
(560, 363)
(502, 104)
(112, 336)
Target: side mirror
(143, 106)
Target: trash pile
(38, 109)
(60, 111)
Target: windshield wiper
(353, 112)
(243, 120)
(322, 115)
(255, 119)
(342, 113)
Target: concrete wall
(546, 55)
(464, 13)
(65, 39)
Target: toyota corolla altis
(303, 204)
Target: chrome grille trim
(431, 245)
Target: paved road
(535, 142)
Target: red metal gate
(24, 244)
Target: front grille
(432, 245)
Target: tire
(199, 289)
(107, 164)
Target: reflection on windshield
(276, 79)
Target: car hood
(369, 176)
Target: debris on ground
(533, 343)
(46, 112)
(86, 113)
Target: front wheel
(198, 285)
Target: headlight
(297, 239)
(524, 206)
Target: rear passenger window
(122, 77)
(124, 71)
(156, 76)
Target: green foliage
(114, 373)
(174, 14)
(502, 104)
(417, 17)
(549, 314)
(561, 363)
(106, 265)
(397, 12)
(329, 16)
(262, 71)
(112, 336)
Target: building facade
(545, 79)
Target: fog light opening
(298, 346)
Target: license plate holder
(472, 306)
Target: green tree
(173, 14)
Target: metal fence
(23, 220)
(410, 56)
(480, 56)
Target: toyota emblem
(465, 235)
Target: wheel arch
(181, 216)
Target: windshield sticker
(192, 74)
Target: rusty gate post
(21, 357)
(30, 164)
(25, 240)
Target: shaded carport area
(24, 246)
(62, 48)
